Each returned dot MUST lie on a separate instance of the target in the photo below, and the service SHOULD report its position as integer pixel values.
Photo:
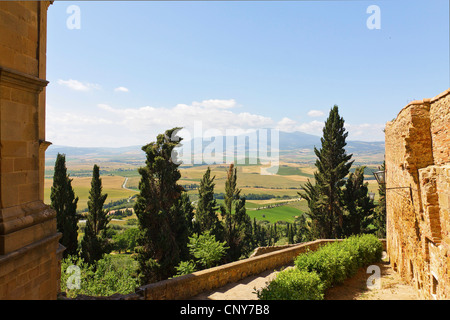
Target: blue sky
(134, 69)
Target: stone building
(417, 174)
(418, 195)
(29, 249)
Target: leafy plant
(339, 260)
(206, 250)
(293, 284)
(318, 270)
(185, 267)
(102, 278)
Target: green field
(282, 213)
(287, 182)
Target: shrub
(339, 260)
(102, 278)
(318, 270)
(293, 284)
(206, 250)
(185, 267)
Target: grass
(282, 213)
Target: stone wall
(418, 195)
(29, 248)
(190, 285)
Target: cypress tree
(303, 230)
(63, 201)
(160, 215)
(182, 224)
(290, 233)
(359, 215)
(333, 165)
(205, 215)
(243, 229)
(237, 223)
(95, 244)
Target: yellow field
(292, 176)
(112, 185)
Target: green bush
(293, 284)
(103, 278)
(340, 260)
(206, 250)
(318, 270)
(185, 267)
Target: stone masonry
(29, 249)
(418, 195)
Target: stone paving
(392, 287)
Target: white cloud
(213, 114)
(287, 124)
(77, 85)
(315, 113)
(114, 127)
(365, 131)
(121, 89)
(216, 104)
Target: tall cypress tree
(303, 229)
(63, 201)
(159, 211)
(315, 215)
(237, 223)
(333, 165)
(205, 216)
(359, 215)
(95, 244)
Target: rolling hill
(293, 147)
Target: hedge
(293, 284)
(332, 264)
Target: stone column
(29, 249)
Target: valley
(270, 198)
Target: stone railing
(190, 285)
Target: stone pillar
(29, 249)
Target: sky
(121, 72)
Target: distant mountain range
(289, 143)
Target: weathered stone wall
(190, 285)
(28, 235)
(417, 196)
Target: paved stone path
(392, 287)
(242, 290)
